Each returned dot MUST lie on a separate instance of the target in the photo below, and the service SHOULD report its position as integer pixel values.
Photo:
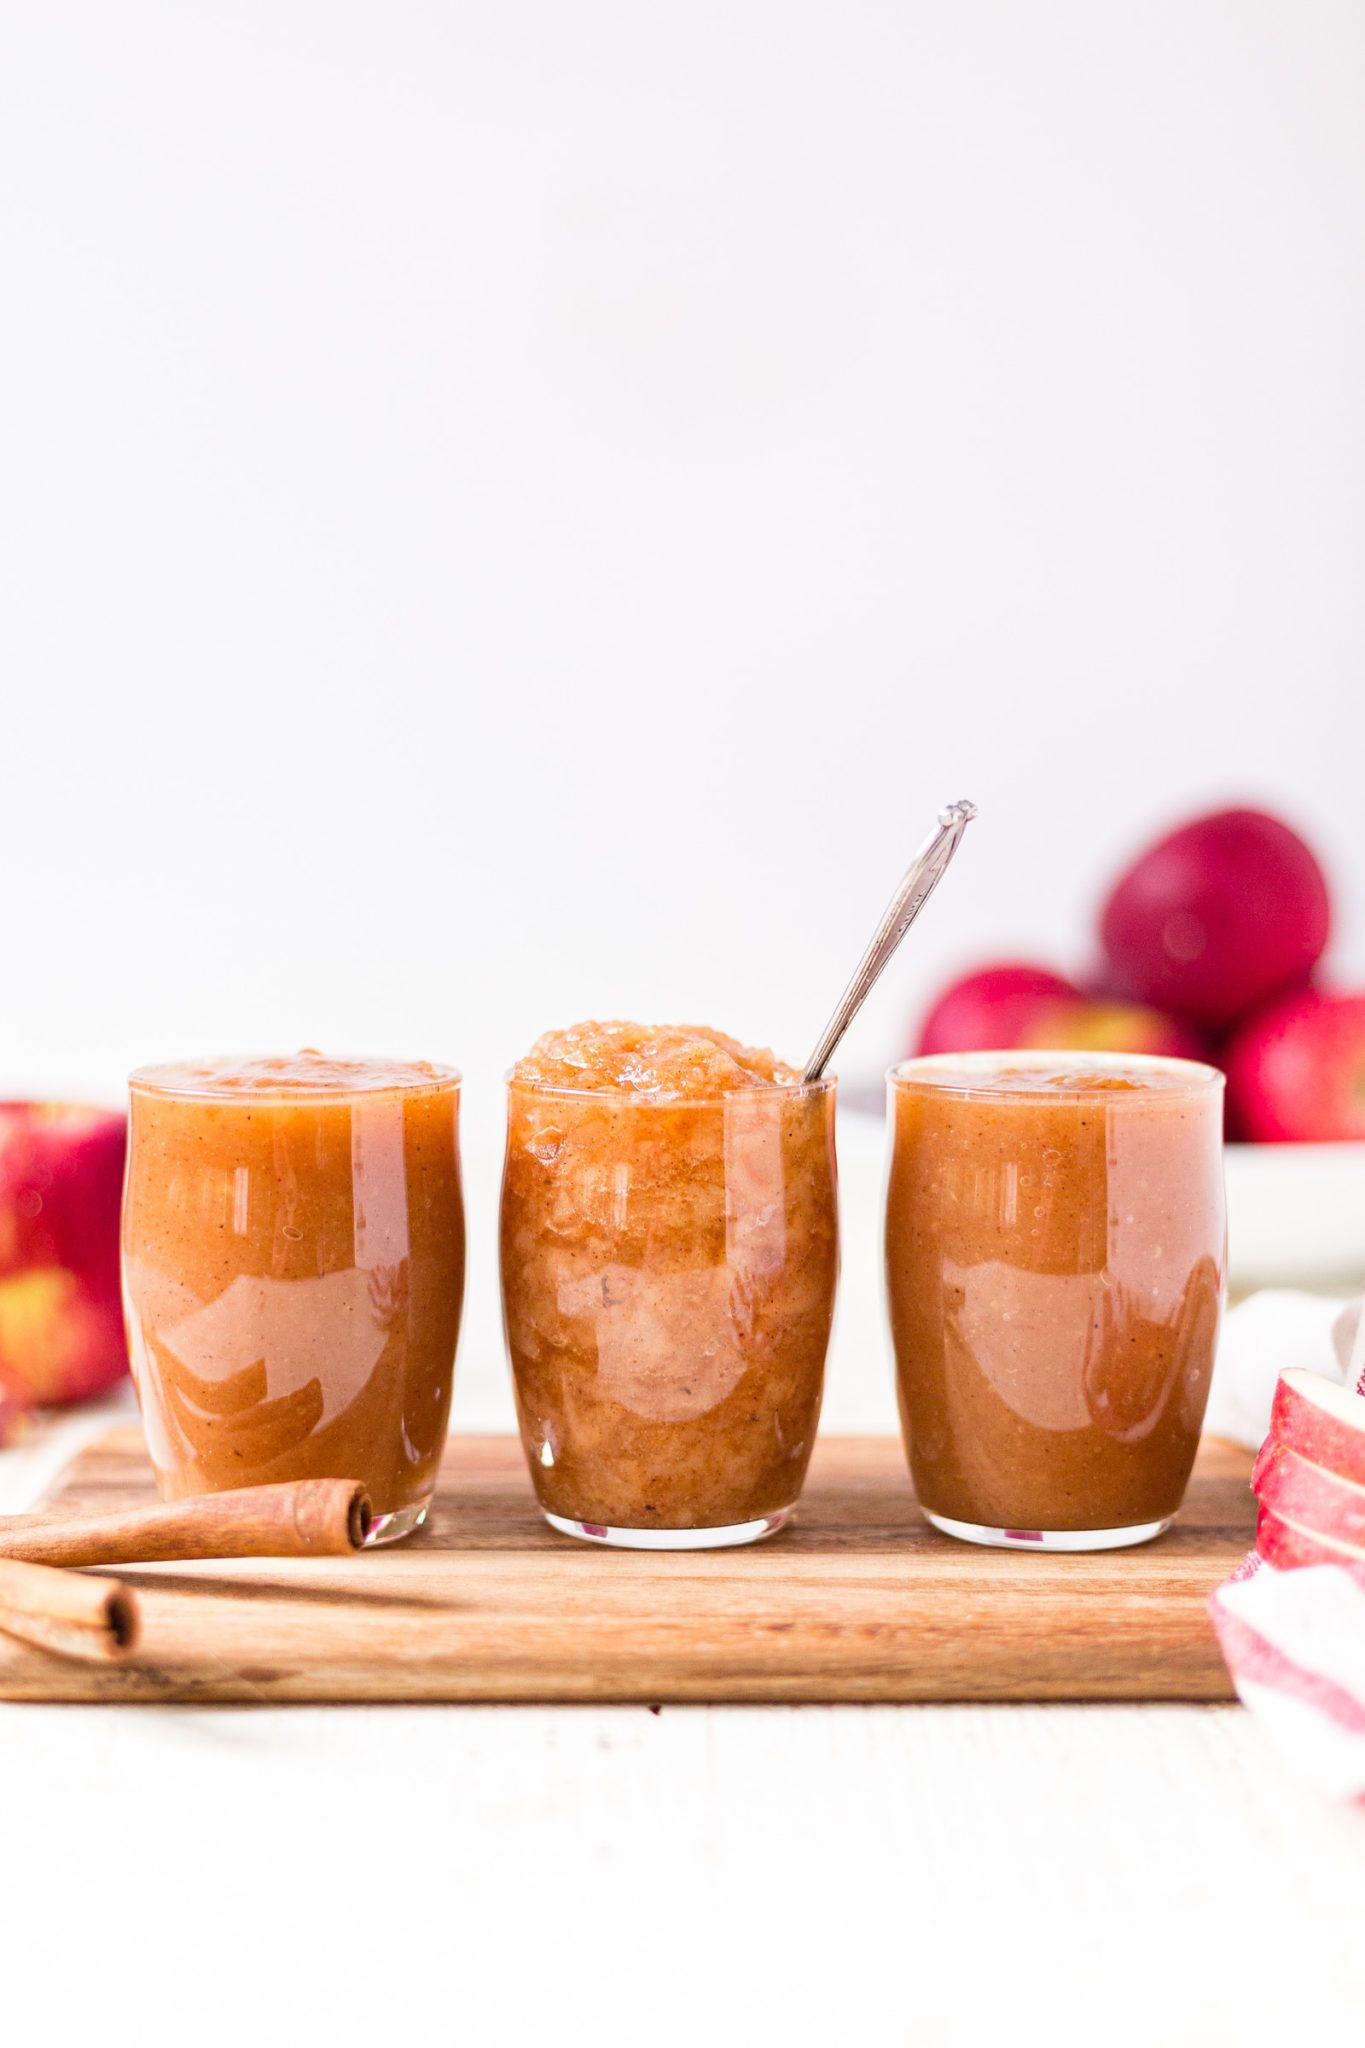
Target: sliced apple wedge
(1265, 1457)
(1323, 1422)
(1308, 1496)
(1287, 1546)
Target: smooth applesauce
(293, 1261)
(669, 1259)
(1055, 1253)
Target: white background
(510, 512)
(513, 511)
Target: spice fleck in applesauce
(293, 1256)
(669, 1260)
(1055, 1248)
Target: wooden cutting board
(858, 1601)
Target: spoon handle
(917, 886)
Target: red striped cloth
(1295, 1645)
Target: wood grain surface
(858, 1601)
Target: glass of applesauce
(1055, 1257)
(670, 1252)
(293, 1272)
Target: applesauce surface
(307, 1072)
(670, 1062)
(1052, 1074)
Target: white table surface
(598, 1876)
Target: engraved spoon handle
(916, 888)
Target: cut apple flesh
(1287, 1546)
(1321, 1421)
(1309, 1496)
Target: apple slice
(1287, 1546)
(1322, 1421)
(1308, 1496)
(1265, 1458)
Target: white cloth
(1263, 1337)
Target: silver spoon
(920, 881)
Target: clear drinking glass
(1055, 1257)
(668, 1277)
(293, 1271)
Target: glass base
(1049, 1539)
(673, 1539)
(392, 1528)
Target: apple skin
(986, 1009)
(1265, 1458)
(1289, 1548)
(1216, 918)
(1296, 1070)
(1019, 1007)
(61, 1317)
(1309, 1497)
(1321, 1421)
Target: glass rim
(1200, 1077)
(637, 1098)
(142, 1081)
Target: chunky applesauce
(293, 1258)
(1055, 1251)
(669, 1259)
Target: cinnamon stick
(304, 1518)
(68, 1613)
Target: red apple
(1287, 1546)
(1216, 918)
(61, 1320)
(989, 1008)
(1322, 1421)
(1309, 1496)
(1297, 1069)
(1019, 1007)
